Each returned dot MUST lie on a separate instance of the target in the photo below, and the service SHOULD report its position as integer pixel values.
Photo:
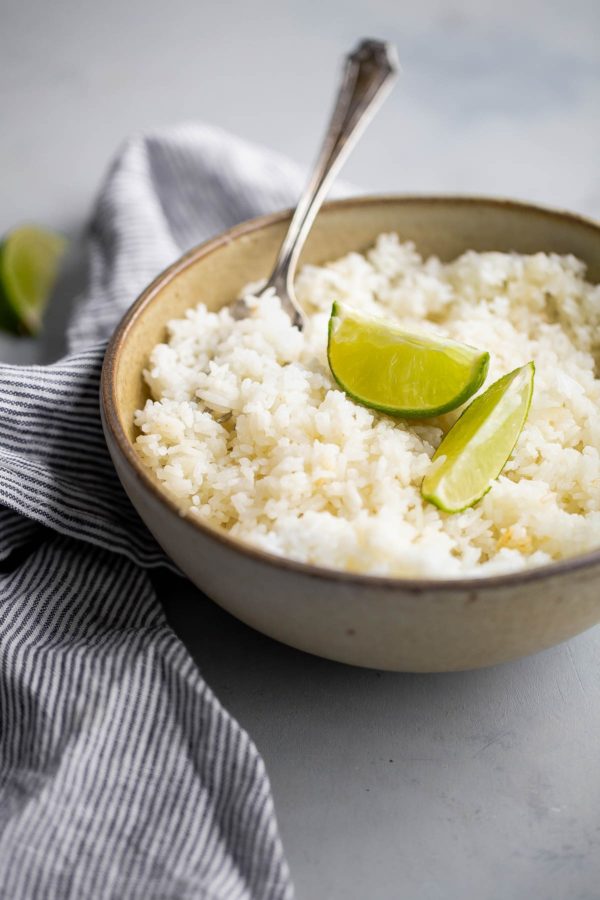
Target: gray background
(475, 785)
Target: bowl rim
(111, 422)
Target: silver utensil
(369, 72)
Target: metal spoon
(369, 73)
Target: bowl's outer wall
(387, 626)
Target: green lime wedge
(400, 372)
(475, 450)
(29, 261)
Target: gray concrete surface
(477, 785)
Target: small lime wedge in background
(477, 447)
(29, 262)
(400, 372)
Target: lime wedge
(29, 261)
(475, 450)
(400, 372)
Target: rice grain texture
(302, 471)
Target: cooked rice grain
(302, 471)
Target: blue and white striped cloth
(121, 776)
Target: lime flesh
(400, 372)
(477, 447)
(29, 261)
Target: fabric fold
(121, 775)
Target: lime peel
(405, 373)
(29, 262)
(479, 444)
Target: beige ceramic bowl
(417, 626)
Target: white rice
(302, 471)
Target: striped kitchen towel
(121, 776)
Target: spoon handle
(369, 73)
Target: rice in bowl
(247, 430)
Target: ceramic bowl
(386, 623)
